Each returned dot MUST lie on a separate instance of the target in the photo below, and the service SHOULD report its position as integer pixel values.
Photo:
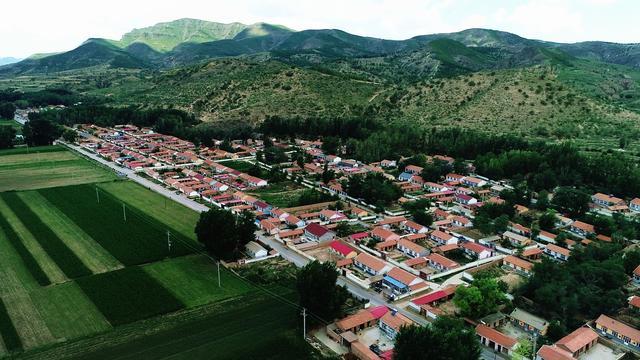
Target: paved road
(142, 181)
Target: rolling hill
(188, 41)
(484, 79)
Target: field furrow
(136, 239)
(32, 245)
(66, 259)
(68, 312)
(94, 256)
(27, 320)
(18, 267)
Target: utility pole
(535, 343)
(169, 240)
(124, 212)
(304, 323)
(97, 195)
(219, 282)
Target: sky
(38, 26)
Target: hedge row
(66, 259)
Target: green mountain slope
(188, 41)
(165, 36)
(236, 89)
(93, 52)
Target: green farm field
(35, 168)
(73, 270)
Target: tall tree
(7, 134)
(318, 291)
(572, 201)
(481, 298)
(445, 339)
(39, 132)
(223, 234)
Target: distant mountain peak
(165, 36)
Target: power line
(192, 246)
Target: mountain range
(188, 41)
(483, 79)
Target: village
(405, 258)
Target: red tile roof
(316, 230)
(619, 327)
(434, 296)
(547, 352)
(496, 336)
(577, 339)
(341, 247)
(442, 260)
(518, 262)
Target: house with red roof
(533, 253)
(391, 322)
(358, 237)
(332, 216)
(317, 232)
(557, 252)
(441, 263)
(496, 340)
(415, 228)
(413, 169)
(473, 181)
(465, 199)
(401, 281)
(433, 298)
(269, 227)
(578, 342)
(443, 238)
(383, 234)
(410, 248)
(582, 228)
(634, 205)
(370, 264)
(518, 265)
(618, 331)
(342, 249)
(636, 274)
(451, 177)
(476, 250)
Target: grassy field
(128, 280)
(83, 262)
(180, 218)
(66, 259)
(137, 240)
(285, 194)
(51, 167)
(243, 166)
(127, 295)
(252, 326)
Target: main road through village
(288, 254)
